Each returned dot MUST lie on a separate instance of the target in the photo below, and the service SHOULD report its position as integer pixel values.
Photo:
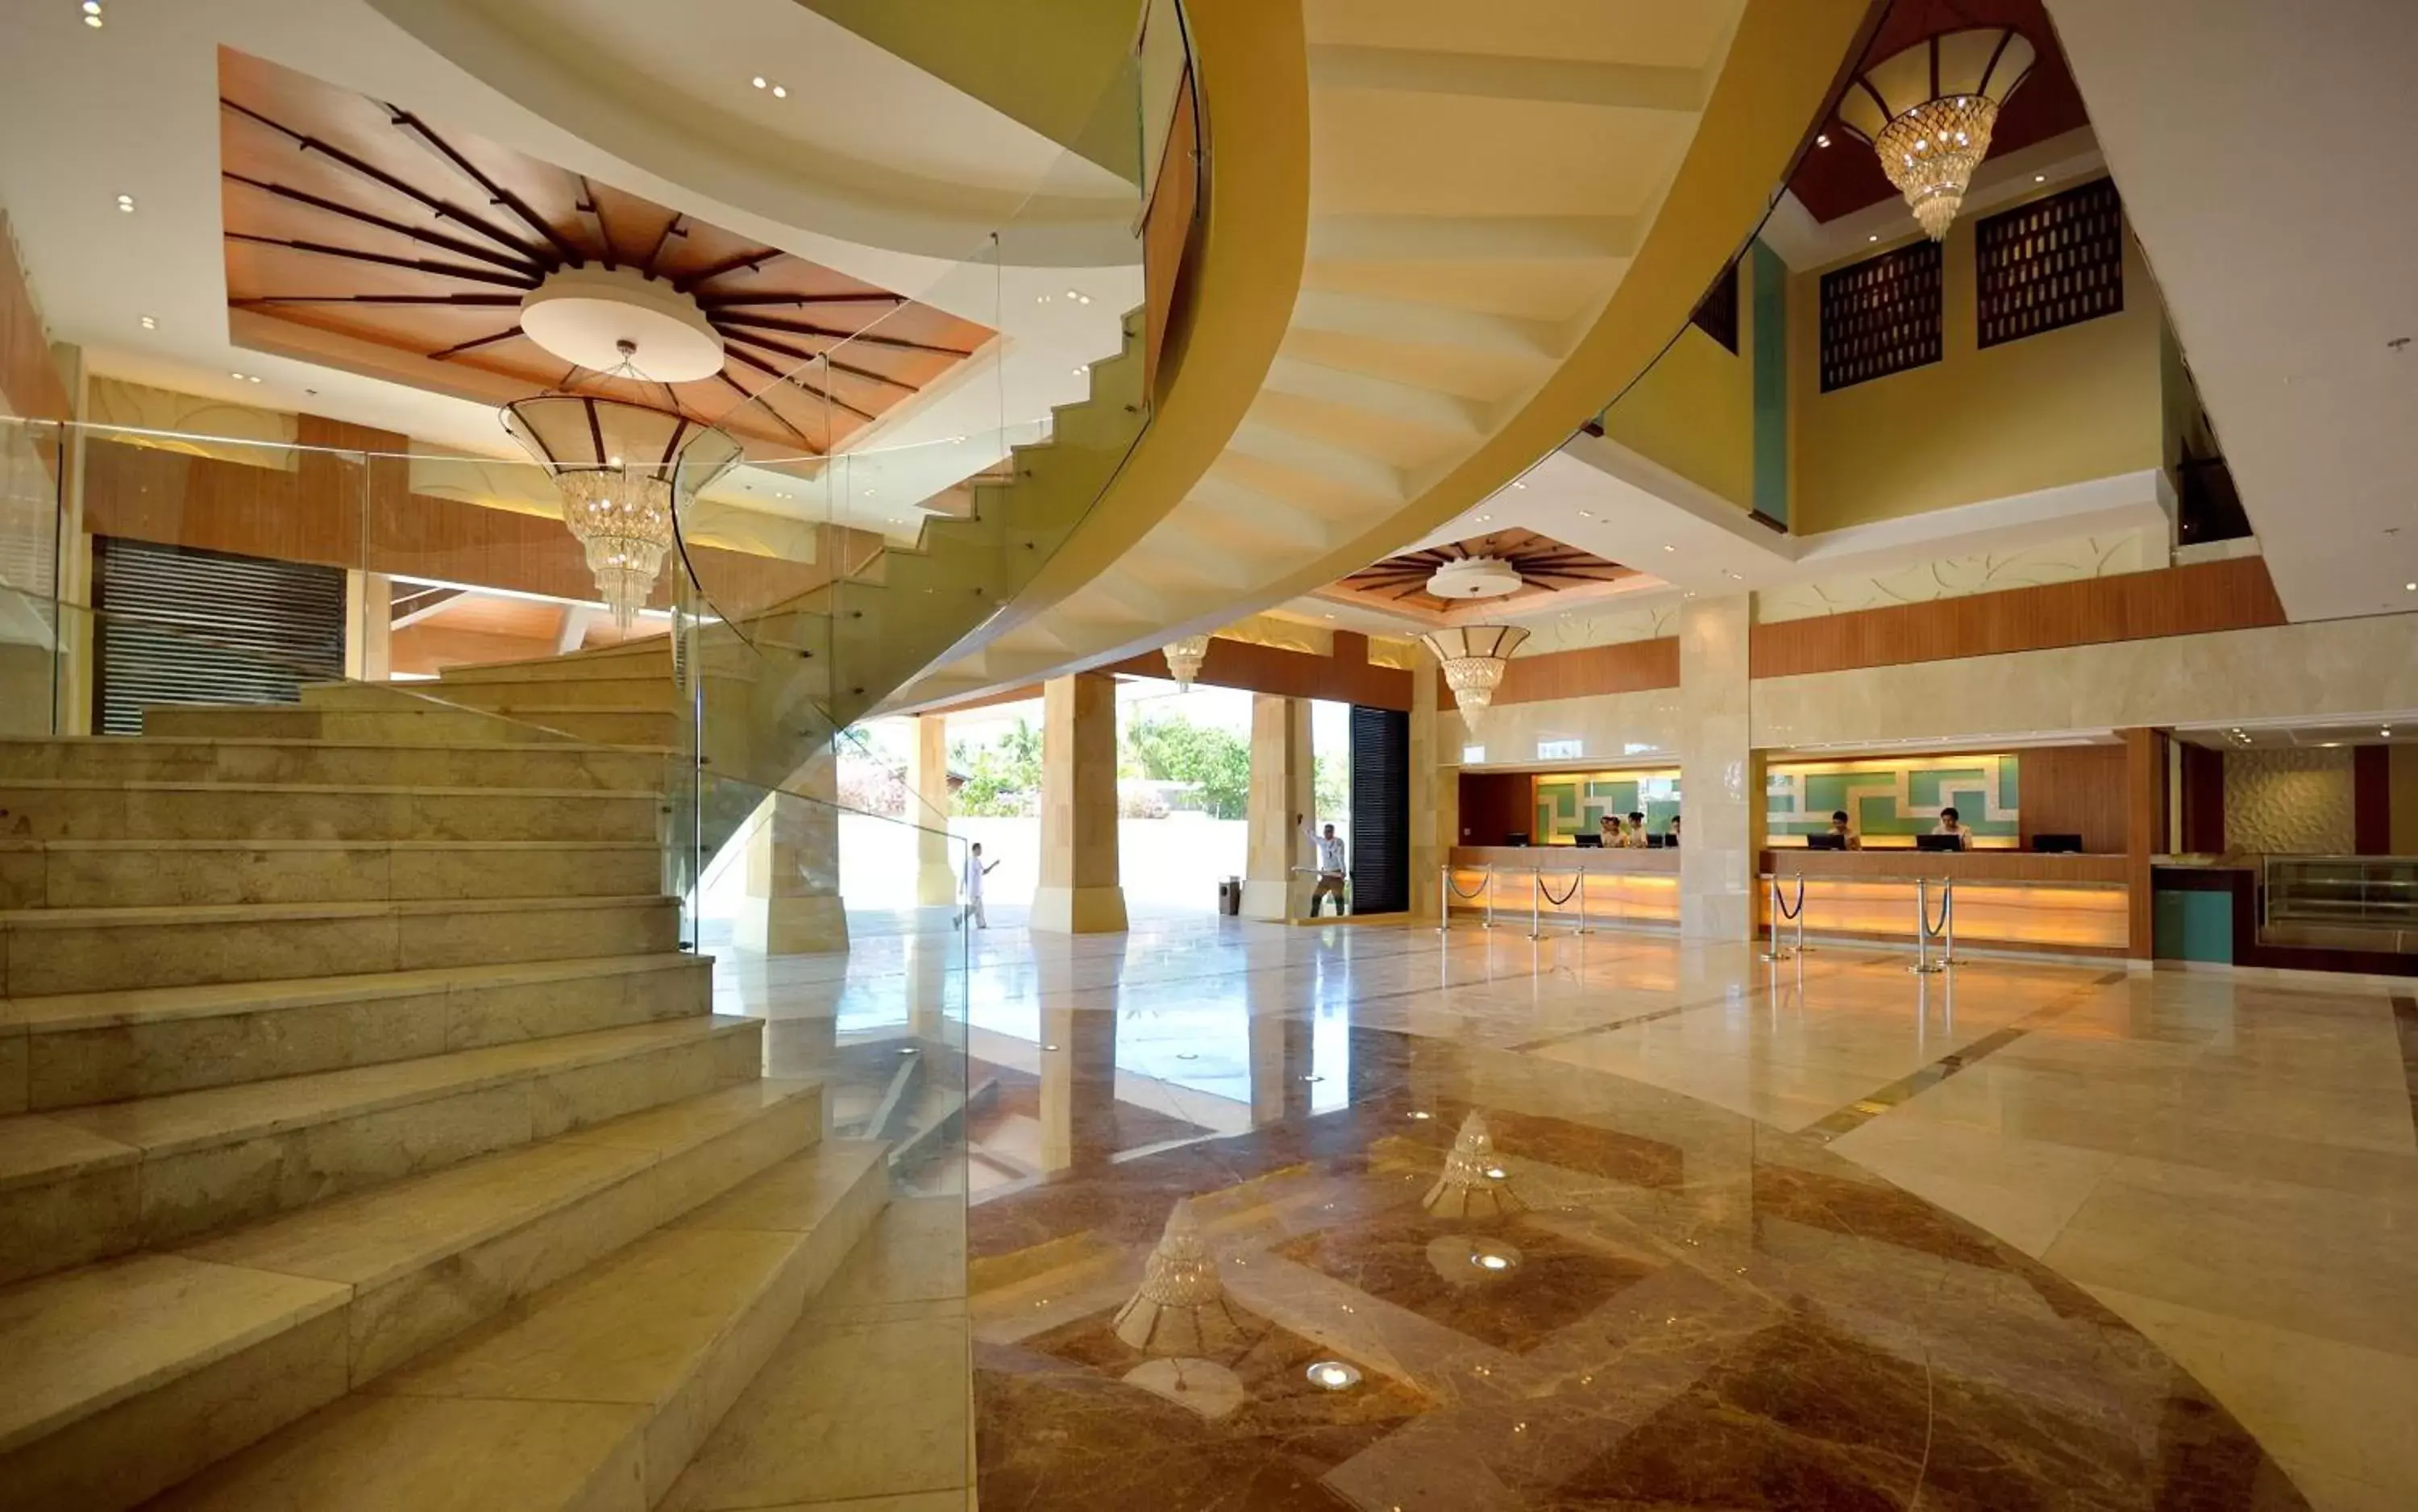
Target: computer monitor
(1656, 842)
(1826, 842)
(2066, 844)
(1586, 838)
(1517, 837)
(1939, 842)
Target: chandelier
(1474, 657)
(1184, 658)
(622, 471)
(1928, 112)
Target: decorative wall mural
(1955, 577)
(1576, 629)
(1890, 799)
(1574, 803)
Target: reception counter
(2074, 904)
(1616, 887)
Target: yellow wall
(1693, 411)
(2067, 406)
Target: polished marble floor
(1821, 1234)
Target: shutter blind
(178, 626)
(1380, 810)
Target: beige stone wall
(1615, 726)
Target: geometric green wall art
(1574, 803)
(1895, 797)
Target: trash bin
(1230, 897)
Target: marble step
(75, 1048)
(429, 724)
(47, 950)
(82, 809)
(316, 762)
(88, 874)
(641, 692)
(126, 1377)
(82, 1183)
(653, 652)
(593, 1392)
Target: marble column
(1080, 893)
(369, 626)
(1283, 790)
(927, 781)
(793, 905)
(1721, 778)
(1436, 788)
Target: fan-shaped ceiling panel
(1544, 565)
(358, 220)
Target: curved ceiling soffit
(1784, 61)
(1251, 67)
(829, 194)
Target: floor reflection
(2118, 1210)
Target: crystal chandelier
(622, 470)
(1474, 657)
(1184, 659)
(1928, 112)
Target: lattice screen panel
(2054, 261)
(1718, 316)
(1880, 316)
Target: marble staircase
(365, 1138)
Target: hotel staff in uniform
(1950, 823)
(1636, 840)
(1609, 828)
(1847, 837)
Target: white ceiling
(131, 108)
(2262, 153)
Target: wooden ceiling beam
(799, 327)
(417, 131)
(430, 238)
(771, 346)
(417, 265)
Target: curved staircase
(361, 1122)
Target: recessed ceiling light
(1668, 547)
(757, 81)
(1074, 293)
(1332, 1375)
(150, 323)
(2410, 587)
(1481, 519)
(1875, 236)
(1079, 371)
(126, 203)
(1519, 485)
(236, 376)
(1586, 514)
(92, 14)
(252, 377)
(780, 93)
(1822, 141)
(2040, 178)
(1734, 576)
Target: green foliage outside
(1219, 762)
(1003, 778)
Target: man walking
(970, 884)
(1330, 865)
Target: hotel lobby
(800, 756)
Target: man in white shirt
(969, 883)
(1330, 865)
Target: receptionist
(1951, 824)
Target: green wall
(1894, 798)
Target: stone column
(1283, 789)
(793, 905)
(927, 779)
(369, 626)
(1078, 1078)
(1721, 778)
(1079, 892)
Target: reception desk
(2071, 905)
(1616, 887)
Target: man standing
(1330, 865)
(971, 884)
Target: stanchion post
(1802, 946)
(1489, 886)
(1535, 902)
(1922, 961)
(1444, 900)
(1772, 949)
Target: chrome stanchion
(1923, 961)
(1444, 896)
(1948, 923)
(1488, 887)
(1536, 899)
(1779, 911)
(1540, 897)
(1452, 891)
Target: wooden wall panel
(315, 513)
(1272, 669)
(2232, 594)
(1494, 804)
(28, 378)
(1631, 667)
(2203, 805)
(2371, 793)
(2076, 789)
(2145, 833)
